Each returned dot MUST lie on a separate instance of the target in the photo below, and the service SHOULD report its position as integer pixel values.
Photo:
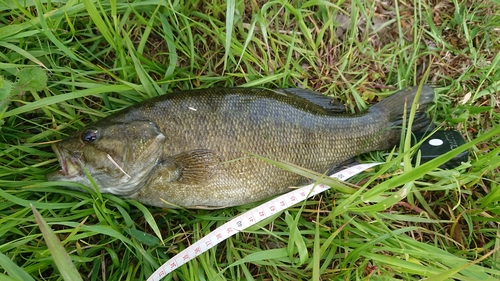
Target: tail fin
(401, 101)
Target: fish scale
(204, 141)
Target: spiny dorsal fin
(325, 102)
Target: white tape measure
(250, 218)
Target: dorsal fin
(325, 102)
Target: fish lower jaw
(67, 172)
(70, 166)
(72, 170)
(63, 176)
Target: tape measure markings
(250, 218)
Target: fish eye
(89, 135)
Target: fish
(196, 148)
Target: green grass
(64, 64)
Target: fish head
(118, 156)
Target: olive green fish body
(194, 148)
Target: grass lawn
(64, 64)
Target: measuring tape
(250, 218)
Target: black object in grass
(439, 143)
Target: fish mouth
(70, 165)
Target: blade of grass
(15, 272)
(149, 218)
(102, 26)
(150, 86)
(230, 13)
(59, 98)
(61, 258)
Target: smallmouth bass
(191, 148)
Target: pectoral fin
(191, 167)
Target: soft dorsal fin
(191, 167)
(325, 102)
